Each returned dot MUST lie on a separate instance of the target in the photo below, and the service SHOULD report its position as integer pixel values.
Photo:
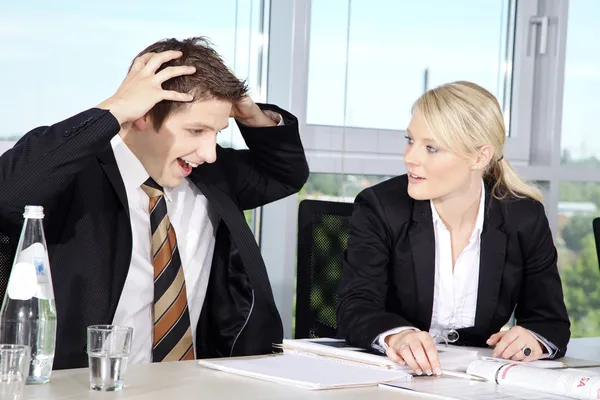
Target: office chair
(322, 239)
(596, 228)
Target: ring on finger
(403, 345)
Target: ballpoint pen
(456, 374)
(463, 375)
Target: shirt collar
(478, 222)
(131, 168)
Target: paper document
(538, 363)
(485, 353)
(307, 371)
(444, 387)
(577, 384)
(451, 357)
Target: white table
(187, 380)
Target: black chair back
(596, 229)
(322, 239)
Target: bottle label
(40, 270)
(22, 284)
(35, 256)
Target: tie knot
(152, 188)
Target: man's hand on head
(248, 113)
(142, 88)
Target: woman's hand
(510, 344)
(415, 349)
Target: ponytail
(507, 183)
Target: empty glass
(108, 348)
(14, 368)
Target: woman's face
(433, 171)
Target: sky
(59, 58)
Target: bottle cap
(36, 212)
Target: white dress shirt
(455, 290)
(194, 224)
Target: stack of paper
(312, 372)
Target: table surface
(188, 380)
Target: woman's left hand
(511, 343)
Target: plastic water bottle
(28, 313)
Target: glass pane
(369, 64)
(580, 142)
(578, 262)
(338, 187)
(69, 56)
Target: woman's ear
(484, 156)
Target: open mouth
(186, 166)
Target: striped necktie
(172, 332)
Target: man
(144, 220)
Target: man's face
(186, 139)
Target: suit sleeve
(361, 312)
(43, 163)
(273, 167)
(541, 307)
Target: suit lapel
(228, 211)
(422, 243)
(491, 262)
(109, 165)
(121, 266)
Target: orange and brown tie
(172, 331)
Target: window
(338, 187)
(368, 64)
(580, 139)
(578, 263)
(358, 69)
(63, 58)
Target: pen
(464, 375)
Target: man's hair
(212, 79)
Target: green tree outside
(578, 262)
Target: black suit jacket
(389, 269)
(70, 169)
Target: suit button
(67, 133)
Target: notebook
(304, 370)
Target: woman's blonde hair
(462, 117)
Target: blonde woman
(450, 249)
